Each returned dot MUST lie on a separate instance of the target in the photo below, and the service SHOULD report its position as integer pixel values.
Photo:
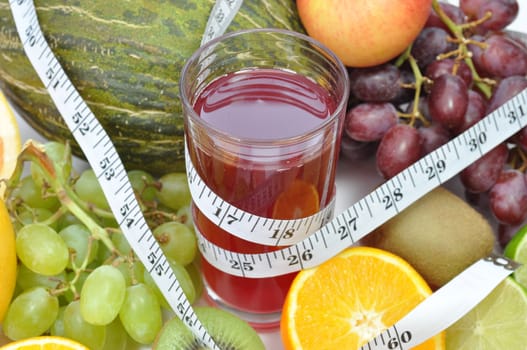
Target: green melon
(124, 57)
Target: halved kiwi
(228, 331)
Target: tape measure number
(344, 230)
(102, 155)
(357, 221)
(446, 305)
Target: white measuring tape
(355, 222)
(103, 157)
(320, 244)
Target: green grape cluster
(77, 275)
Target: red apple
(364, 33)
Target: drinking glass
(263, 110)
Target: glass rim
(195, 57)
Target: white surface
(354, 180)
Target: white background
(354, 180)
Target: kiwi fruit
(228, 331)
(440, 235)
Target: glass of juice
(264, 110)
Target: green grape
(149, 281)
(89, 189)
(18, 290)
(57, 328)
(184, 279)
(103, 254)
(138, 270)
(174, 191)
(109, 222)
(194, 272)
(30, 314)
(185, 215)
(76, 328)
(143, 184)
(121, 243)
(116, 336)
(124, 268)
(28, 279)
(41, 249)
(76, 237)
(141, 314)
(28, 216)
(69, 296)
(132, 271)
(61, 159)
(177, 241)
(102, 295)
(32, 195)
(67, 219)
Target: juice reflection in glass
(263, 116)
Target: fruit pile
(77, 275)
(462, 65)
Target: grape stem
(415, 114)
(518, 159)
(54, 217)
(89, 207)
(33, 153)
(462, 52)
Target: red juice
(275, 107)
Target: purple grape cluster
(462, 66)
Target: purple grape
(369, 121)
(452, 11)
(399, 148)
(433, 136)
(476, 109)
(470, 7)
(375, 84)
(506, 232)
(448, 66)
(521, 138)
(448, 101)
(504, 12)
(405, 94)
(506, 89)
(430, 42)
(477, 52)
(356, 150)
(503, 57)
(422, 107)
(481, 175)
(508, 197)
(519, 38)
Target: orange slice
(349, 299)
(10, 143)
(44, 343)
(299, 200)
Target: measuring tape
(446, 305)
(103, 157)
(312, 246)
(358, 220)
